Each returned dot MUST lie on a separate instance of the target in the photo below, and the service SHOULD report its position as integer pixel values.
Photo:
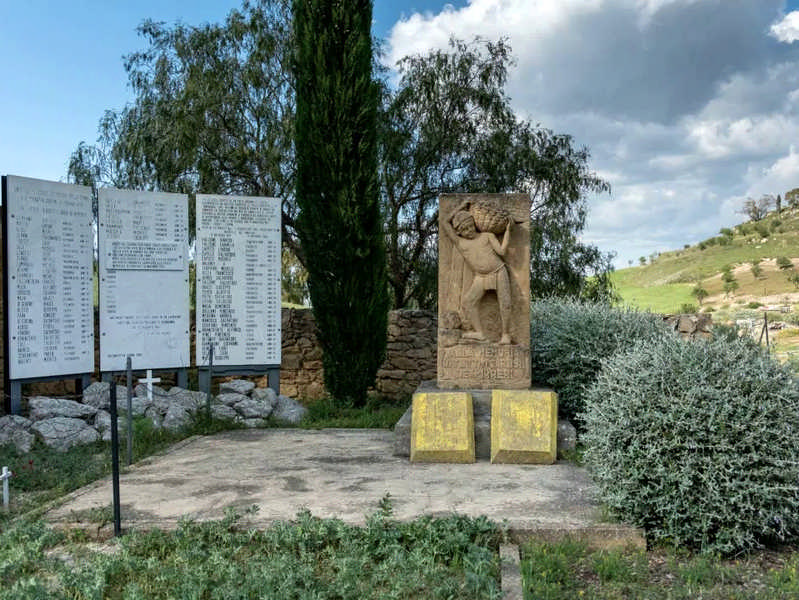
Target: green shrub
(754, 304)
(762, 230)
(696, 443)
(569, 339)
(784, 263)
(687, 308)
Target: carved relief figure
(483, 253)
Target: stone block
(524, 426)
(442, 428)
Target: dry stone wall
(410, 354)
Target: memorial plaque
(524, 426)
(484, 291)
(442, 427)
(144, 280)
(49, 279)
(238, 280)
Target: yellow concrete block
(524, 426)
(442, 427)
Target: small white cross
(149, 381)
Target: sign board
(238, 280)
(144, 280)
(49, 249)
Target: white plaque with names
(144, 280)
(49, 281)
(238, 280)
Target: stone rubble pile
(690, 326)
(62, 423)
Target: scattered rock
(266, 394)
(47, 408)
(230, 399)
(138, 406)
(237, 386)
(62, 433)
(251, 408)
(176, 418)
(288, 410)
(223, 411)
(188, 399)
(141, 391)
(567, 436)
(98, 395)
(155, 417)
(14, 429)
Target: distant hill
(665, 283)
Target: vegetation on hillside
(754, 253)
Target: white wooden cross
(149, 381)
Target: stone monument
(483, 390)
(484, 291)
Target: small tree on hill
(793, 277)
(699, 292)
(784, 263)
(757, 270)
(730, 287)
(756, 209)
(792, 197)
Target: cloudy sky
(688, 106)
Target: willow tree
(339, 223)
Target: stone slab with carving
(524, 426)
(442, 428)
(484, 291)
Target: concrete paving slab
(340, 473)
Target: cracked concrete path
(342, 473)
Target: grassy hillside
(665, 283)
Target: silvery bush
(698, 443)
(569, 338)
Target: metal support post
(115, 460)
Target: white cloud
(778, 177)
(787, 30)
(687, 106)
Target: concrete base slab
(341, 473)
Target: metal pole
(210, 378)
(115, 459)
(5, 477)
(765, 328)
(129, 369)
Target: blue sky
(61, 68)
(688, 106)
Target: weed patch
(454, 557)
(568, 570)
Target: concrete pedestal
(481, 407)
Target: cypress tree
(339, 224)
